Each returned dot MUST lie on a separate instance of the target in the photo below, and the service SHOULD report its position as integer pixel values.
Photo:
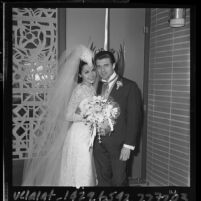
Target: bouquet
(100, 114)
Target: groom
(112, 153)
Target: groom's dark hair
(103, 54)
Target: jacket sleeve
(133, 115)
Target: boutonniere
(119, 84)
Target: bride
(61, 154)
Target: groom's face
(105, 68)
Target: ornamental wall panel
(34, 71)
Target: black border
(135, 193)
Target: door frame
(145, 92)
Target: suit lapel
(115, 89)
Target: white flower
(114, 112)
(100, 114)
(100, 118)
(98, 108)
(119, 84)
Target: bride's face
(88, 74)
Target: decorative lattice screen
(34, 70)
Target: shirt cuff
(129, 146)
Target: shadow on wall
(137, 147)
(17, 171)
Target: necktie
(105, 88)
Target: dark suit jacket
(129, 122)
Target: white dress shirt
(110, 85)
(111, 77)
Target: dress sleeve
(72, 113)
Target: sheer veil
(43, 168)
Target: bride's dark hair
(82, 63)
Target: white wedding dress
(77, 166)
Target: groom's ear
(113, 65)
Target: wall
(126, 25)
(168, 129)
(84, 26)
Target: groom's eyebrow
(103, 65)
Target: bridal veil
(43, 168)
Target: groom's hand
(125, 154)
